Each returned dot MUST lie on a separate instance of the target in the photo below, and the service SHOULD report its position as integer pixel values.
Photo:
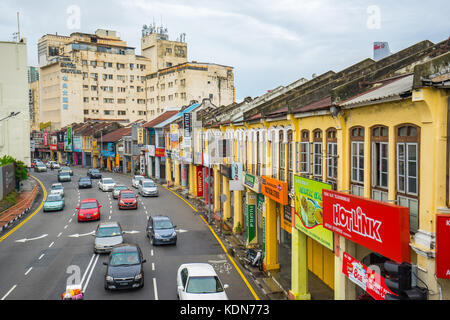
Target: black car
(94, 174)
(161, 230)
(125, 267)
(84, 182)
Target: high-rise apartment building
(98, 77)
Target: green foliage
(21, 168)
(238, 228)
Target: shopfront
(252, 186)
(374, 231)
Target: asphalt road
(52, 249)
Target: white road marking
(28, 270)
(36, 238)
(151, 252)
(51, 244)
(153, 266)
(90, 273)
(87, 269)
(10, 290)
(65, 227)
(59, 235)
(70, 220)
(109, 217)
(156, 289)
(40, 257)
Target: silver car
(148, 188)
(107, 235)
(117, 189)
(57, 188)
(106, 184)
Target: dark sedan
(94, 174)
(84, 182)
(125, 268)
(160, 230)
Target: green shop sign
(251, 221)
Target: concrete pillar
(271, 258)
(177, 175)
(238, 216)
(169, 171)
(158, 168)
(216, 189)
(192, 180)
(227, 203)
(184, 175)
(299, 267)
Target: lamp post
(12, 114)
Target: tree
(21, 171)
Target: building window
(332, 155)
(379, 137)
(85, 99)
(407, 140)
(282, 157)
(357, 160)
(121, 112)
(258, 153)
(317, 153)
(303, 153)
(290, 160)
(108, 112)
(86, 111)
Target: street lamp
(12, 114)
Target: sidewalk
(24, 202)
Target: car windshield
(138, 177)
(124, 258)
(65, 169)
(53, 197)
(148, 184)
(95, 171)
(88, 205)
(163, 224)
(57, 187)
(204, 285)
(108, 181)
(120, 188)
(127, 195)
(108, 232)
(85, 179)
(64, 173)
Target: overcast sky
(268, 42)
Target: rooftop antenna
(16, 35)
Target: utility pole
(18, 27)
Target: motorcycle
(254, 258)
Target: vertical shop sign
(251, 227)
(199, 177)
(443, 246)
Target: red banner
(199, 177)
(53, 147)
(378, 226)
(443, 246)
(364, 277)
(160, 152)
(45, 136)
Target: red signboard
(45, 136)
(53, 147)
(364, 277)
(160, 152)
(443, 246)
(378, 226)
(199, 177)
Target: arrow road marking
(76, 235)
(131, 232)
(25, 240)
(181, 230)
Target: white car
(106, 184)
(135, 181)
(57, 188)
(199, 281)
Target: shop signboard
(225, 170)
(286, 219)
(364, 277)
(251, 221)
(378, 226)
(32, 146)
(68, 139)
(443, 246)
(160, 152)
(236, 184)
(199, 177)
(53, 147)
(275, 189)
(187, 127)
(140, 136)
(252, 182)
(151, 150)
(110, 151)
(308, 210)
(45, 135)
(77, 144)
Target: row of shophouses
(337, 173)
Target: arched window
(317, 153)
(303, 154)
(407, 171)
(332, 156)
(357, 160)
(379, 136)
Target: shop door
(321, 262)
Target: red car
(127, 200)
(89, 209)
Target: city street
(52, 249)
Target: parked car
(127, 200)
(199, 281)
(57, 188)
(53, 164)
(117, 189)
(40, 167)
(135, 181)
(148, 188)
(124, 268)
(94, 174)
(64, 176)
(84, 182)
(106, 184)
(107, 235)
(54, 202)
(161, 230)
(89, 209)
(64, 169)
